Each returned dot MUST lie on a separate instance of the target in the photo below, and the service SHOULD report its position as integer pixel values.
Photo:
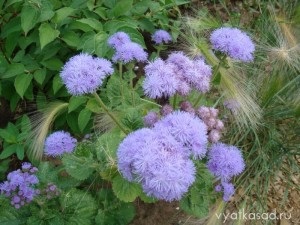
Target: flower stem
(174, 100)
(121, 80)
(117, 122)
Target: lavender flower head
(159, 81)
(187, 129)
(118, 39)
(20, 185)
(150, 119)
(58, 143)
(201, 77)
(128, 52)
(225, 161)
(158, 161)
(83, 74)
(233, 42)
(161, 36)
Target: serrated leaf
(47, 34)
(46, 173)
(20, 151)
(8, 151)
(13, 70)
(133, 119)
(122, 7)
(63, 13)
(83, 118)
(79, 207)
(125, 190)
(40, 75)
(93, 23)
(29, 17)
(75, 102)
(22, 82)
(78, 167)
(57, 84)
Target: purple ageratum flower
(83, 74)
(228, 190)
(118, 39)
(201, 77)
(187, 129)
(128, 52)
(233, 105)
(161, 36)
(225, 161)
(166, 110)
(234, 42)
(150, 119)
(159, 81)
(58, 143)
(129, 147)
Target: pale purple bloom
(159, 81)
(214, 136)
(118, 39)
(200, 79)
(187, 129)
(187, 107)
(233, 42)
(58, 143)
(225, 161)
(233, 105)
(128, 52)
(161, 36)
(150, 119)
(158, 161)
(83, 74)
(228, 190)
(20, 186)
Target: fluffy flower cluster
(225, 162)
(177, 74)
(83, 73)
(159, 158)
(51, 191)
(20, 185)
(233, 42)
(215, 126)
(161, 36)
(126, 50)
(233, 105)
(58, 143)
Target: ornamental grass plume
(58, 143)
(83, 73)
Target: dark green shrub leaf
(13, 70)
(57, 84)
(47, 34)
(20, 151)
(93, 23)
(29, 17)
(40, 75)
(83, 118)
(62, 13)
(93, 106)
(71, 38)
(125, 190)
(22, 82)
(75, 102)
(122, 7)
(8, 151)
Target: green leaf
(22, 82)
(57, 84)
(75, 102)
(125, 190)
(29, 17)
(13, 70)
(122, 7)
(53, 64)
(79, 207)
(46, 10)
(20, 151)
(133, 119)
(93, 23)
(47, 34)
(71, 38)
(78, 167)
(8, 151)
(8, 135)
(83, 118)
(47, 173)
(93, 105)
(62, 13)
(40, 75)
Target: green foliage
(201, 195)
(14, 138)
